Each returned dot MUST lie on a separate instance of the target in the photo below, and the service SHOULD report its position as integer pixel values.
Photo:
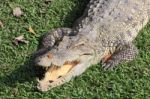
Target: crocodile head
(69, 49)
(73, 54)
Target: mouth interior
(54, 72)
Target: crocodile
(104, 33)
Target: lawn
(17, 74)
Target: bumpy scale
(104, 33)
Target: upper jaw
(42, 65)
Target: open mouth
(55, 72)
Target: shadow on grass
(25, 73)
(28, 72)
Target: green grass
(17, 76)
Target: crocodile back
(113, 19)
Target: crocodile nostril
(51, 81)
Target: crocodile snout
(40, 61)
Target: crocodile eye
(49, 55)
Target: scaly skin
(106, 27)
